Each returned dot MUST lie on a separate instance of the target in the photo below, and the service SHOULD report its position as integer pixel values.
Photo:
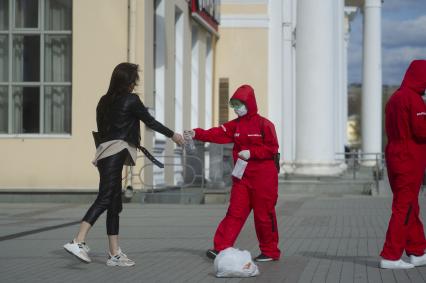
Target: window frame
(41, 84)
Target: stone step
(175, 195)
(335, 186)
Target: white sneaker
(85, 246)
(80, 250)
(418, 260)
(395, 264)
(120, 259)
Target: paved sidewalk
(323, 239)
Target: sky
(403, 40)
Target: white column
(159, 62)
(208, 123)
(178, 99)
(149, 17)
(195, 77)
(281, 84)
(288, 115)
(179, 85)
(372, 81)
(275, 91)
(315, 89)
(345, 105)
(338, 79)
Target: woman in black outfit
(117, 115)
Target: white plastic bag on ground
(235, 263)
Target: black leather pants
(109, 196)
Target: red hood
(415, 77)
(245, 93)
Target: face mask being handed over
(241, 111)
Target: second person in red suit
(405, 159)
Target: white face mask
(241, 111)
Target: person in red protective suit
(405, 158)
(255, 141)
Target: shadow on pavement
(361, 260)
(75, 263)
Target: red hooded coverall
(405, 159)
(258, 188)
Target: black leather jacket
(121, 120)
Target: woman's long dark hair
(124, 77)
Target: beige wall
(99, 43)
(242, 55)
(244, 9)
(100, 40)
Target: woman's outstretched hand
(178, 139)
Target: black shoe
(263, 258)
(212, 254)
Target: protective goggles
(235, 103)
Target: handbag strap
(150, 156)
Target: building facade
(56, 59)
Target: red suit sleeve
(418, 119)
(222, 134)
(270, 144)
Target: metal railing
(355, 160)
(130, 173)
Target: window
(35, 66)
(223, 100)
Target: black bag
(97, 138)
(277, 161)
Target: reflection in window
(26, 58)
(35, 66)
(4, 60)
(4, 19)
(26, 110)
(57, 110)
(4, 113)
(58, 15)
(26, 13)
(57, 58)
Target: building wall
(242, 50)
(99, 43)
